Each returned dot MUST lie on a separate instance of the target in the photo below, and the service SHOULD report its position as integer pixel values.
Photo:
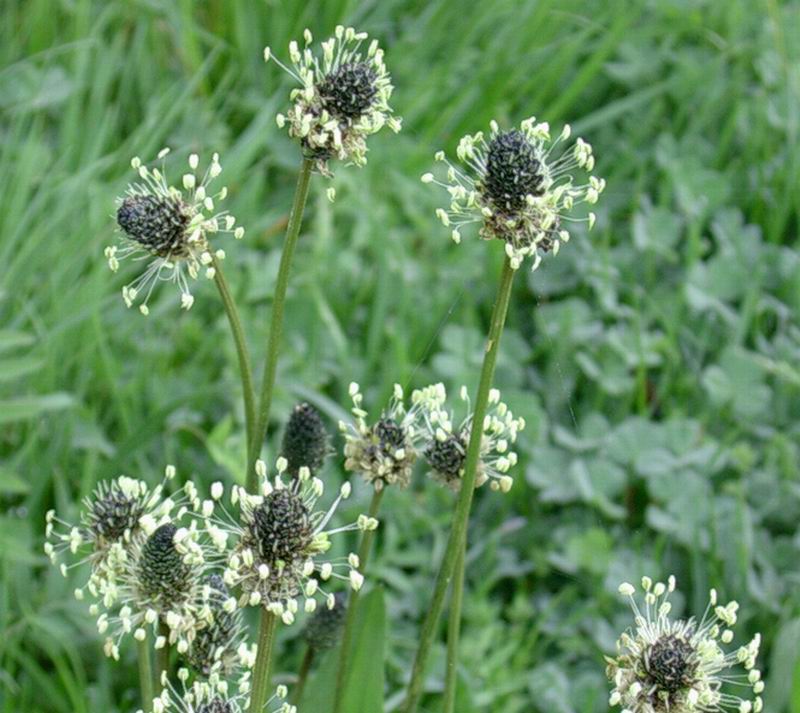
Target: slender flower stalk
(162, 654)
(445, 454)
(302, 675)
(242, 353)
(352, 605)
(454, 633)
(145, 674)
(458, 529)
(383, 453)
(266, 643)
(322, 633)
(276, 322)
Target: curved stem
(352, 604)
(162, 655)
(454, 632)
(276, 322)
(458, 529)
(145, 674)
(302, 677)
(266, 642)
(245, 369)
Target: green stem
(302, 677)
(364, 549)
(276, 322)
(454, 632)
(266, 642)
(162, 655)
(464, 503)
(145, 675)
(245, 369)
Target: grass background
(656, 360)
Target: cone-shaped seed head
(446, 457)
(512, 171)
(162, 572)
(324, 628)
(349, 91)
(305, 440)
(157, 223)
(282, 526)
(216, 706)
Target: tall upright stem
(302, 676)
(162, 656)
(464, 503)
(364, 549)
(266, 642)
(454, 632)
(145, 674)
(276, 322)
(245, 369)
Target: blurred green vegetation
(657, 361)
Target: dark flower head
(172, 226)
(305, 440)
(447, 444)
(281, 538)
(671, 664)
(350, 90)
(157, 223)
(162, 572)
(282, 527)
(446, 457)
(513, 171)
(216, 706)
(668, 665)
(384, 452)
(110, 527)
(517, 188)
(115, 512)
(214, 648)
(343, 97)
(324, 628)
(144, 569)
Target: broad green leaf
(366, 681)
(781, 694)
(318, 693)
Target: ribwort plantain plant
(343, 99)
(521, 194)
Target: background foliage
(656, 363)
